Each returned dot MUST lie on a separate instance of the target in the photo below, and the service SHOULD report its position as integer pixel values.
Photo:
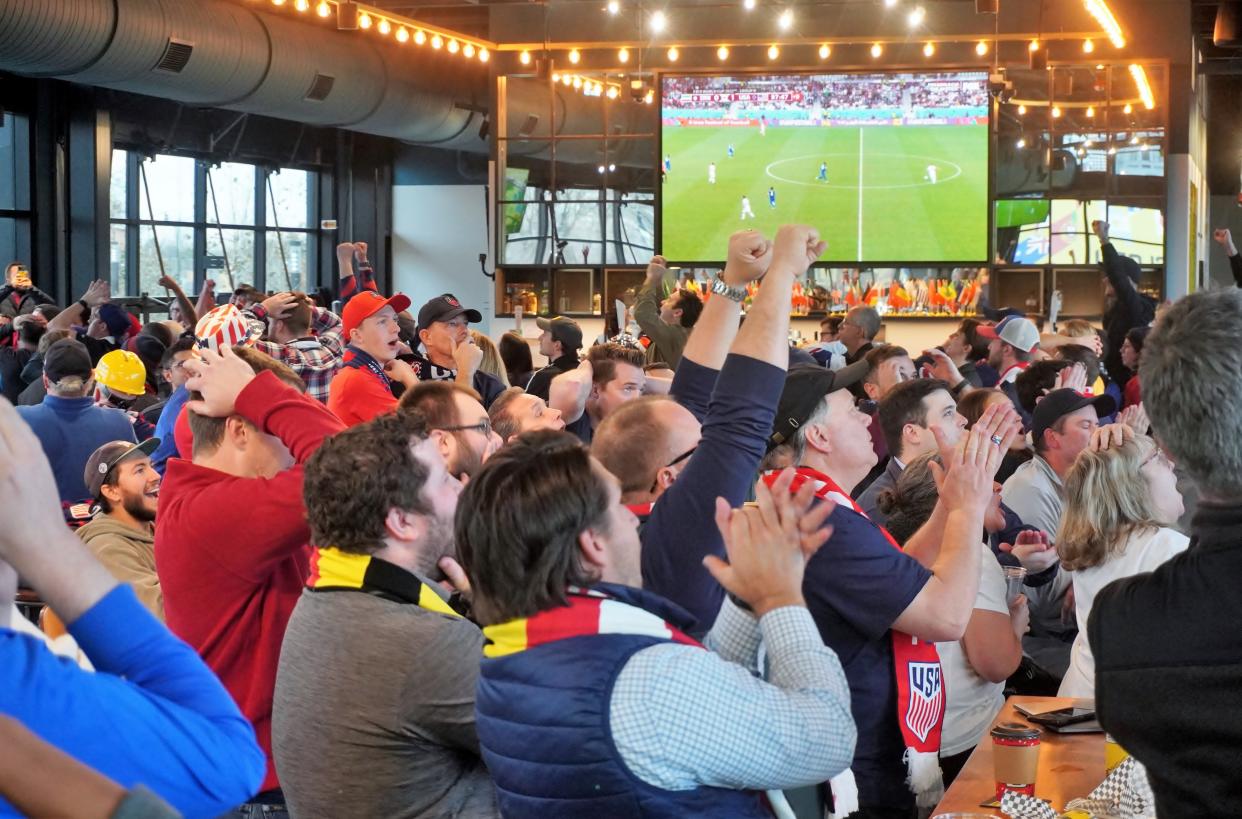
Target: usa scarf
(920, 684)
(356, 358)
(334, 570)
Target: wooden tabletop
(1070, 765)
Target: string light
(1022, 142)
(749, 5)
(453, 46)
(278, 2)
(384, 26)
(876, 50)
(1144, 87)
(658, 21)
(1056, 112)
(1129, 109)
(1021, 110)
(420, 36)
(402, 34)
(825, 52)
(301, 5)
(576, 82)
(723, 53)
(323, 9)
(467, 50)
(614, 8)
(574, 56)
(436, 42)
(673, 54)
(524, 59)
(649, 97)
(613, 92)
(1090, 112)
(555, 77)
(1088, 46)
(915, 18)
(623, 56)
(1033, 46)
(929, 49)
(364, 20)
(773, 52)
(888, 4)
(1100, 11)
(567, 79)
(786, 20)
(981, 48)
(484, 54)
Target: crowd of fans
(371, 564)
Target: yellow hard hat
(122, 371)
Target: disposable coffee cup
(1015, 754)
(1015, 580)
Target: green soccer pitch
(878, 205)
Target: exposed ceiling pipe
(218, 53)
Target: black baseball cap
(564, 330)
(104, 460)
(1060, 403)
(445, 307)
(67, 358)
(805, 387)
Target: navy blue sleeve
(488, 386)
(692, 387)
(153, 714)
(682, 528)
(1235, 267)
(860, 579)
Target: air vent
(320, 88)
(176, 55)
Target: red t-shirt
(232, 553)
(357, 395)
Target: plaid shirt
(315, 360)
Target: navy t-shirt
(856, 585)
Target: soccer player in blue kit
(772, 197)
(823, 172)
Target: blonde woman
(492, 363)
(1121, 501)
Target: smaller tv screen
(890, 167)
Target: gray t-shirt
(374, 711)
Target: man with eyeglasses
(857, 332)
(458, 425)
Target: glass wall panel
(170, 180)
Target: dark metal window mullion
(200, 225)
(260, 227)
(133, 235)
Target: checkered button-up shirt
(316, 359)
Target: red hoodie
(232, 553)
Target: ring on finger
(996, 439)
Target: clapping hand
(97, 293)
(748, 258)
(1135, 417)
(965, 480)
(1033, 551)
(768, 544)
(941, 367)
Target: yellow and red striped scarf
(334, 570)
(589, 611)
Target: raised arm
(765, 333)
(647, 306)
(206, 299)
(352, 284)
(1126, 290)
(79, 312)
(1224, 238)
(569, 391)
(187, 309)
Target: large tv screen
(890, 167)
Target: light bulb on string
(467, 50)
(323, 9)
(824, 51)
(722, 53)
(453, 46)
(524, 58)
(484, 54)
(384, 26)
(773, 52)
(437, 42)
(574, 56)
(420, 37)
(673, 54)
(614, 8)
(929, 49)
(403, 34)
(877, 50)
(301, 5)
(623, 55)
(364, 21)
(1088, 46)
(786, 20)
(658, 22)
(981, 48)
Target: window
(15, 191)
(210, 220)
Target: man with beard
(126, 489)
(458, 425)
(378, 668)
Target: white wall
(438, 232)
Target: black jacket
(1168, 669)
(26, 303)
(541, 382)
(1130, 308)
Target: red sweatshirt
(232, 553)
(357, 393)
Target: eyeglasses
(483, 427)
(683, 456)
(1159, 457)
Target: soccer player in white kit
(711, 173)
(763, 126)
(746, 211)
(931, 173)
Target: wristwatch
(737, 294)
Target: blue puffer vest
(543, 720)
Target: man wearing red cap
(362, 388)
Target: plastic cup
(1015, 755)
(1015, 581)
(1114, 754)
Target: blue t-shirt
(165, 428)
(856, 585)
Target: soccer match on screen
(891, 167)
